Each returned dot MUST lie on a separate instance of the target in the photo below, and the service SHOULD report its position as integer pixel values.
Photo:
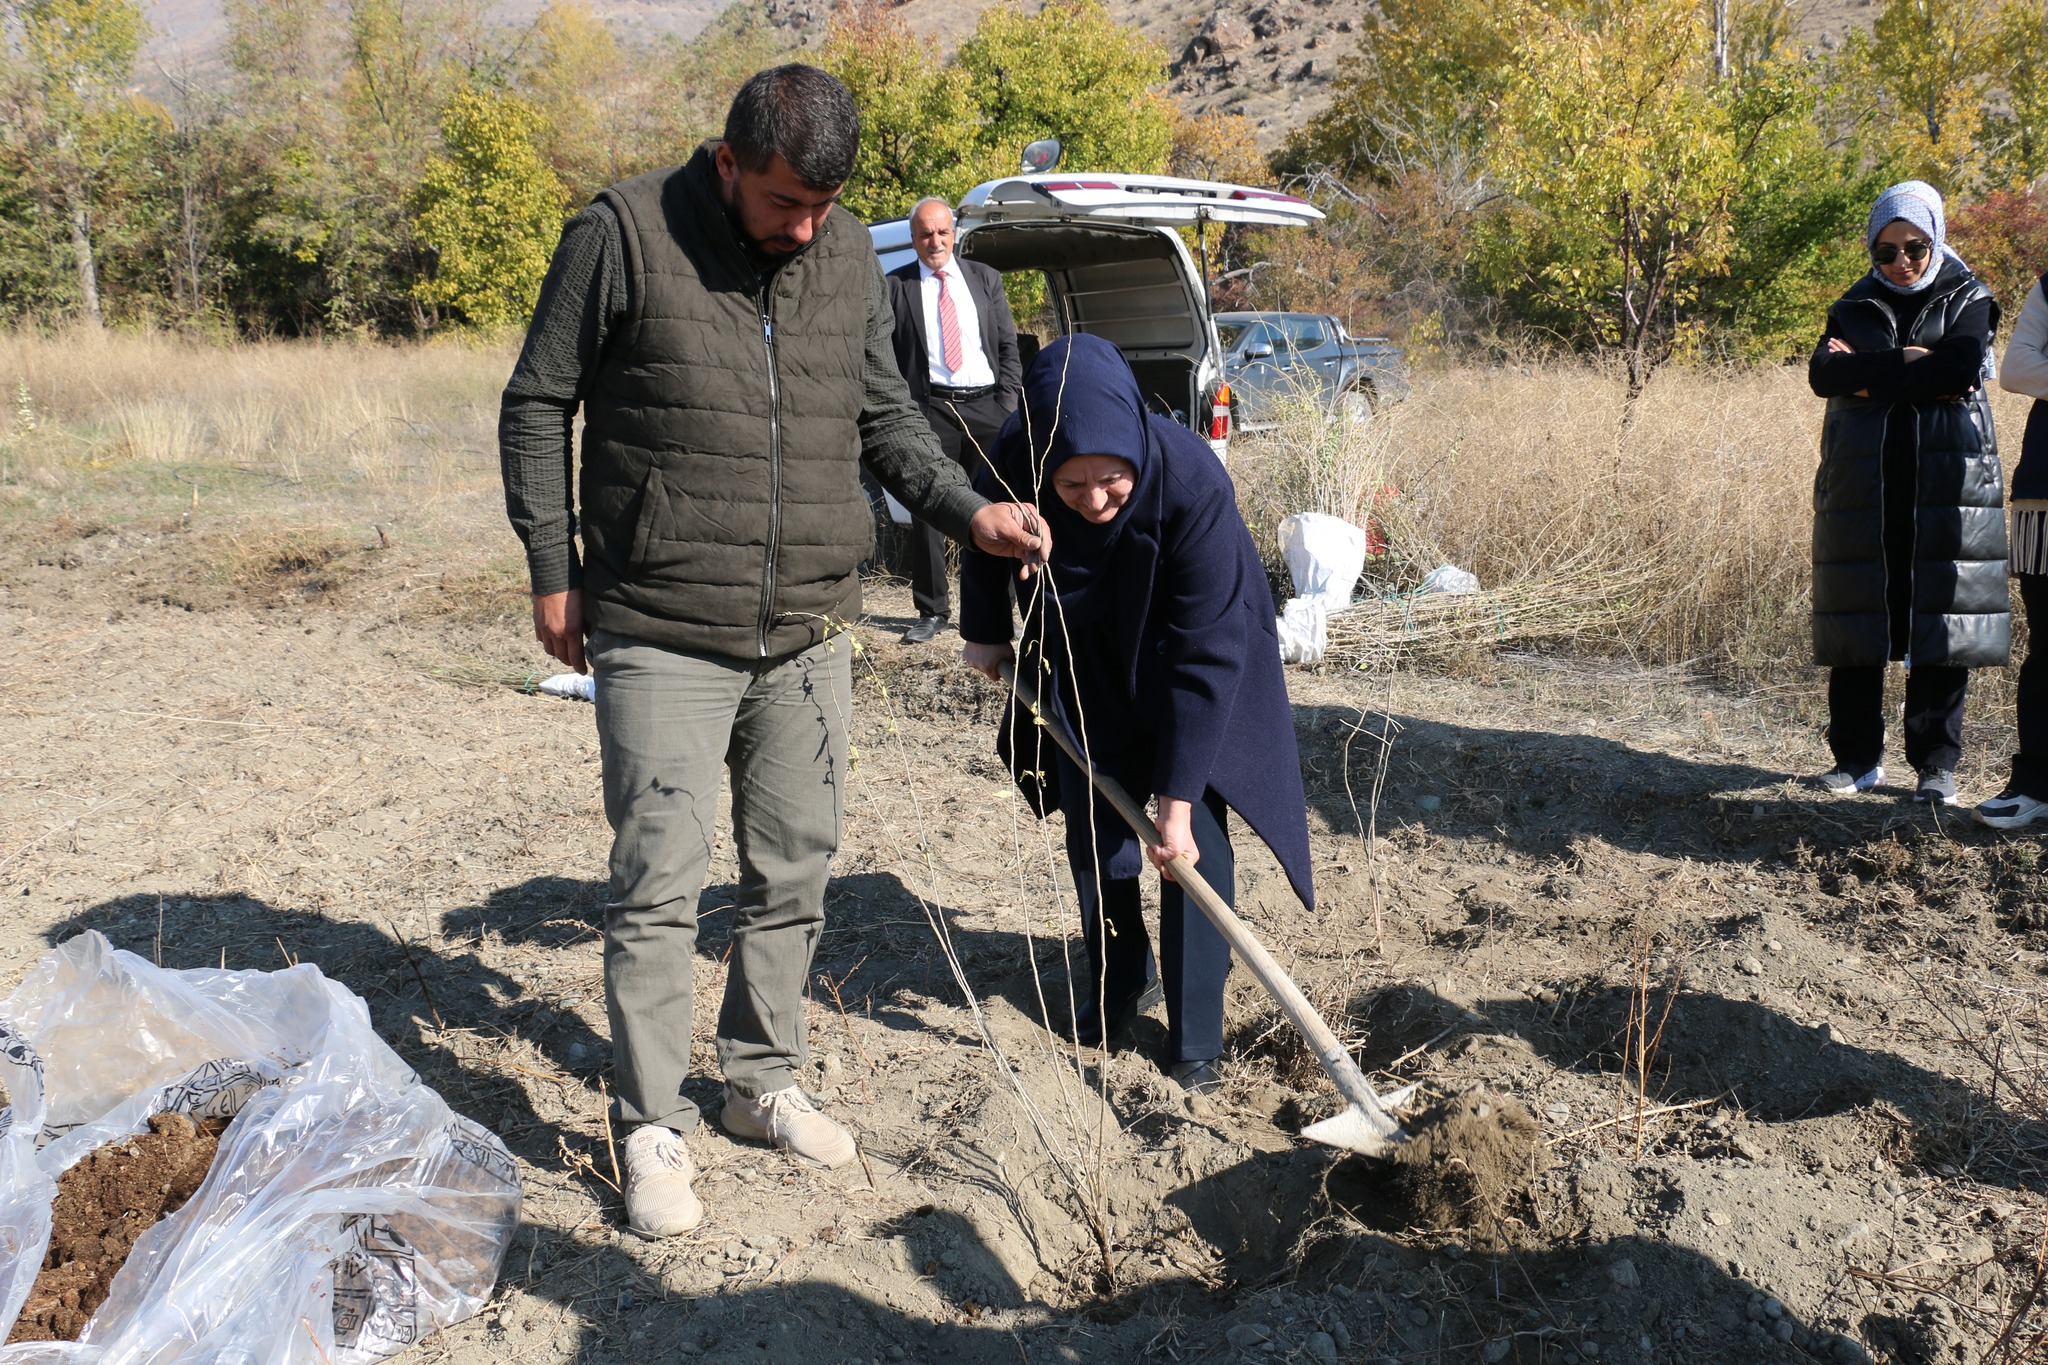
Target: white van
(1116, 267)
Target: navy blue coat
(1180, 596)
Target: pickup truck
(1271, 357)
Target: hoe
(1367, 1125)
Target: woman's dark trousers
(2030, 764)
(1933, 716)
(1933, 721)
(1194, 959)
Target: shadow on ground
(1768, 1068)
(1357, 1291)
(1538, 791)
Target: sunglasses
(1884, 253)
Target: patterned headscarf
(1918, 203)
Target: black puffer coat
(1958, 612)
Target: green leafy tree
(1797, 214)
(1421, 91)
(1073, 72)
(1624, 167)
(920, 132)
(341, 103)
(490, 209)
(73, 138)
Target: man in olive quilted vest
(725, 330)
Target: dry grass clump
(306, 411)
(276, 472)
(1684, 539)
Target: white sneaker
(659, 1200)
(788, 1119)
(2009, 810)
(1842, 780)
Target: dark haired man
(956, 345)
(724, 328)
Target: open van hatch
(1110, 249)
(1123, 284)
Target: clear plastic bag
(348, 1212)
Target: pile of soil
(1469, 1164)
(104, 1204)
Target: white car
(1115, 266)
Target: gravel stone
(1246, 1335)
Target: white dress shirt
(975, 370)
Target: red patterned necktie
(949, 324)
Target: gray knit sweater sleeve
(582, 304)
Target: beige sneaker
(659, 1200)
(788, 1119)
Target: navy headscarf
(1080, 398)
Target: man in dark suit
(957, 348)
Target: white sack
(1304, 628)
(1325, 555)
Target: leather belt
(962, 395)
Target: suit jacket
(998, 330)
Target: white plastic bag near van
(1304, 632)
(1325, 556)
(348, 1213)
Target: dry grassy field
(1784, 1051)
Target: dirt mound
(1470, 1164)
(104, 1204)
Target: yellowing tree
(1422, 89)
(919, 133)
(579, 85)
(1623, 165)
(490, 208)
(1216, 146)
(2015, 136)
(1919, 83)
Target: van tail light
(1219, 414)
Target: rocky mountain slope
(1269, 60)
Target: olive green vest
(722, 504)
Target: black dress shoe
(923, 632)
(1197, 1078)
(1122, 1013)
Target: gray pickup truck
(1269, 358)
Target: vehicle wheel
(1355, 404)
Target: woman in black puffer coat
(1909, 540)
